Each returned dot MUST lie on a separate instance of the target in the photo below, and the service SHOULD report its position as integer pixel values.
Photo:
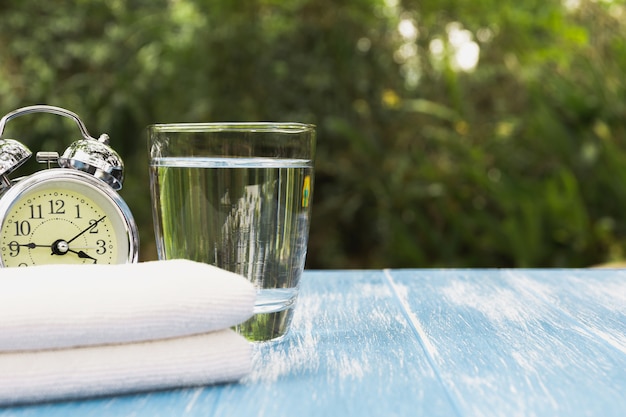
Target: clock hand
(61, 246)
(85, 247)
(32, 245)
(91, 226)
(83, 255)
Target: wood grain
(520, 342)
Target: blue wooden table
(422, 343)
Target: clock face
(64, 219)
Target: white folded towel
(56, 306)
(45, 375)
(69, 331)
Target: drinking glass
(237, 196)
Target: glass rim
(287, 127)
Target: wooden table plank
(523, 342)
(352, 352)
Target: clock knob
(12, 155)
(97, 158)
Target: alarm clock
(70, 212)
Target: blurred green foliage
(426, 158)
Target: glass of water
(237, 196)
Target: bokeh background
(451, 133)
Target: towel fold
(74, 331)
(57, 306)
(216, 357)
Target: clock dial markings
(39, 216)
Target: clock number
(22, 228)
(77, 211)
(101, 247)
(14, 248)
(94, 229)
(57, 207)
(35, 211)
